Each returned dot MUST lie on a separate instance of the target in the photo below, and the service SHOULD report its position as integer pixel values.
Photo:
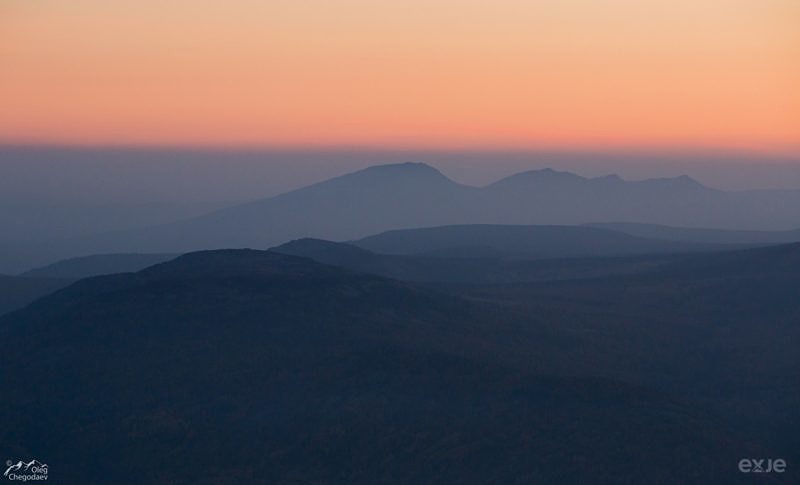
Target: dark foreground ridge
(18, 291)
(241, 365)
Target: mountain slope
(98, 264)
(362, 202)
(413, 195)
(489, 267)
(564, 198)
(18, 291)
(295, 371)
(701, 235)
(722, 327)
(521, 242)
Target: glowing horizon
(437, 73)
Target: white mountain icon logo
(34, 466)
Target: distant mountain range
(404, 328)
(471, 253)
(414, 195)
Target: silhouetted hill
(98, 264)
(552, 197)
(701, 235)
(545, 179)
(722, 327)
(549, 179)
(413, 195)
(781, 261)
(241, 365)
(521, 242)
(362, 202)
(486, 266)
(18, 291)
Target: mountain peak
(415, 172)
(545, 175)
(222, 263)
(551, 173)
(687, 179)
(681, 181)
(609, 178)
(403, 168)
(310, 247)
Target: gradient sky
(415, 73)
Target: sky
(449, 74)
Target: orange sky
(432, 73)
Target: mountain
(18, 291)
(701, 235)
(413, 195)
(20, 465)
(470, 270)
(352, 205)
(295, 371)
(14, 467)
(362, 202)
(98, 264)
(520, 242)
(722, 327)
(553, 197)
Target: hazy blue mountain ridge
(413, 195)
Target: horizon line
(633, 149)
